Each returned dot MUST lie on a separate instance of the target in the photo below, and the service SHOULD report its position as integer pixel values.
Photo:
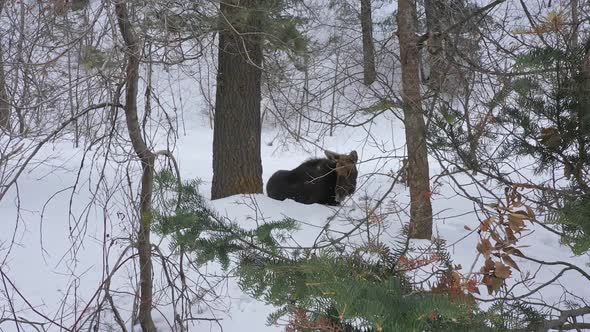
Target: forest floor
(59, 241)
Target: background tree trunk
(418, 173)
(237, 166)
(147, 159)
(4, 102)
(435, 11)
(575, 23)
(368, 45)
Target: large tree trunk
(368, 45)
(147, 159)
(418, 174)
(237, 166)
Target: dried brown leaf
(510, 262)
(484, 225)
(502, 271)
(510, 235)
(519, 214)
(499, 245)
(495, 236)
(484, 247)
(496, 284)
(493, 284)
(515, 223)
(517, 252)
(488, 267)
(530, 213)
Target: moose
(321, 180)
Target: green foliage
(501, 96)
(351, 293)
(575, 220)
(282, 30)
(380, 106)
(77, 5)
(194, 227)
(92, 58)
(539, 58)
(524, 86)
(552, 113)
(510, 316)
(551, 123)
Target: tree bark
(237, 166)
(147, 158)
(415, 128)
(368, 45)
(575, 23)
(435, 10)
(4, 102)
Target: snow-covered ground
(58, 273)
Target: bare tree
(147, 158)
(237, 165)
(418, 172)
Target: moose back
(322, 180)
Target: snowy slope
(37, 268)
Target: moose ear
(354, 156)
(331, 155)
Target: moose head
(346, 173)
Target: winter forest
(294, 165)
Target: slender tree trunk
(575, 22)
(583, 113)
(237, 166)
(147, 159)
(4, 102)
(435, 10)
(334, 91)
(418, 173)
(20, 57)
(368, 45)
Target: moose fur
(322, 180)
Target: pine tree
(245, 27)
(237, 165)
(550, 122)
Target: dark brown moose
(321, 180)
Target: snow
(54, 278)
